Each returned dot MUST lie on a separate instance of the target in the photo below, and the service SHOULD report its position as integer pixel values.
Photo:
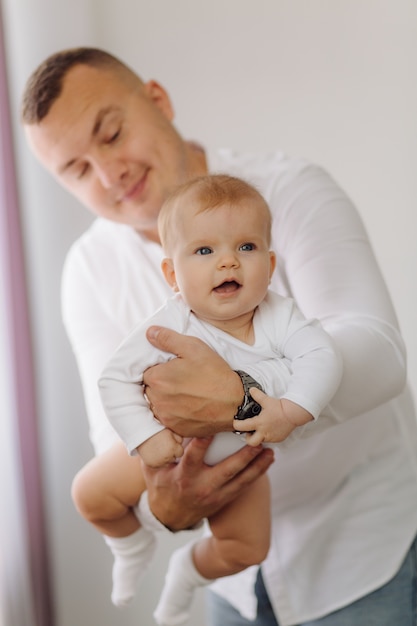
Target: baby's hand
(164, 447)
(276, 421)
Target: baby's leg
(240, 534)
(104, 492)
(240, 538)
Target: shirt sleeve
(120, 383)
(326, 258)
(93, 336)
(313, 360)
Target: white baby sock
(132, 556)
(181, 580)
(147, 519)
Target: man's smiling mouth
(136, 189)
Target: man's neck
(197, 159)
(197, 167)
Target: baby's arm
(162, 448)
(314, 370)
(122, 390)
(276, 421)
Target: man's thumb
(164, 339)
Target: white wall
(331, 81)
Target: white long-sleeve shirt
(343, 500)
(298, 363)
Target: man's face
(111, 143)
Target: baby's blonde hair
(206, 193)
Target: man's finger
(195, 451)
(254, 470)
(247, 463)
(166, 339)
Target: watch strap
(249, 407)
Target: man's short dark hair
(45, 84)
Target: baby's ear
(168, 271)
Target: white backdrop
(333, 81)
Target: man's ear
(168, 271)
(160, 98)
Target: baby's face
(221, 261)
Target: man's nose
(110, 171)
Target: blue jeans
(394, 604)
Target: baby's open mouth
(227, 287)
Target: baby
(215, 232)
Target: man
(343, 488)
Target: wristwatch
(248, 408)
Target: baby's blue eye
(203, 250)
(245, 247)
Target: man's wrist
(238, 393)
(248, 407)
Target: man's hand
(196, 394)
(183, 493)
